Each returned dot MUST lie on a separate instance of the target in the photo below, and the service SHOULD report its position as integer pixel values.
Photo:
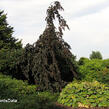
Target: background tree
(95, 55)
(10, 47)
(50, 61)
(7, 41)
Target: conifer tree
(7, 41)
(10, 47)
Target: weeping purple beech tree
(48, 62)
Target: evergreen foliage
(7, 41)
(24, 64)
(49, 61)
(10, 47)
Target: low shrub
(94, 70)
(85, 94)
(90, 69)
(26, 95)
(103, 76)
(40, 100)
(12, 88)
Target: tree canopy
(95, 55)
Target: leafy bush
(38, 100)
(26, 95)
(90, 69)
(85, 94)
(94, 70)
(82, 61)
(106, 63)
(41, 100)
(12, 88)
(103, 76)
(33, 101)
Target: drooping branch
(52, 13)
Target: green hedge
(85, 94)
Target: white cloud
(89, 33)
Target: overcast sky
(88, 21)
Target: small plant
(85, 94)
